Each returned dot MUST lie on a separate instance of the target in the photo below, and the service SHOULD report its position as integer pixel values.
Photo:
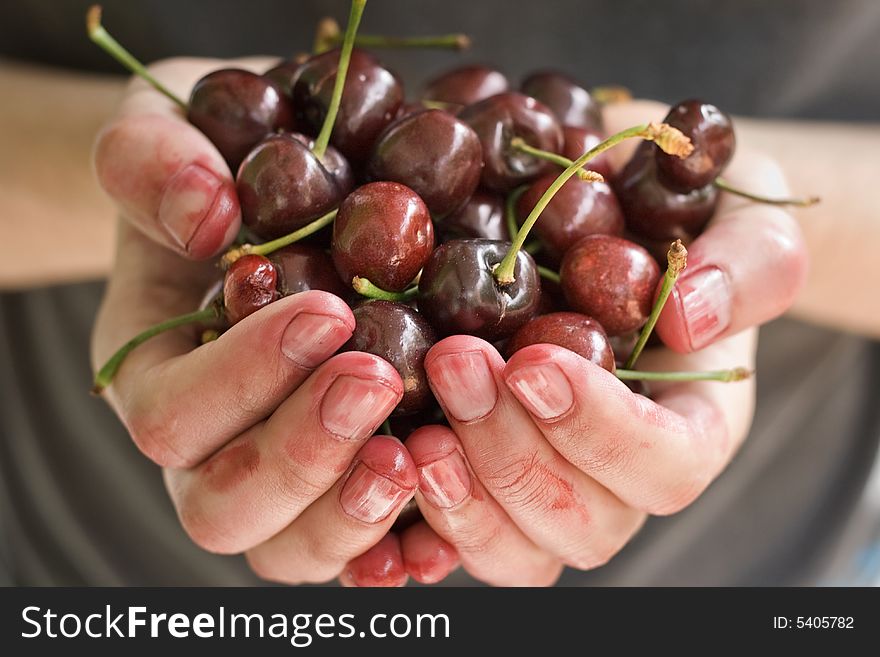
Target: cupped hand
(265, 437)
(551, 461)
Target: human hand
(552, 461)
(265, 443)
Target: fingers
(556, 505)
(656, 456)
(381, 565)
(345, 522)
(427, 557)
(262, 481)
(180, 405)
(620, 116)
(457, 506)
(743, 271)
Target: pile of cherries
(417, 212)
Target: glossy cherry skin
(466, 85)
(577, 141)
(612, 280)
(400, 335)
(334, 162)
(285, 74)
(654, 211)
(576, 332)
(571, 103)
(371, 97)
(499, 119)
(481, 217)
(250, 283)
(383, 232)
(458, 292)
(302, 267)
(236, 109)
(711, 132)
(282, 186)
(578, 209)
(432, 153)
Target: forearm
(57, 224)
(841, 164)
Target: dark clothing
(80, 505)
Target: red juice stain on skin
(232, 466)
(428, 558)
(381, 565)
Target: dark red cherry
(571, 103)
(711, 132)
(432, 153)
(577, 141)
(612, 280)
(282, 186)
(579, 209)
(458, 292)
(499, 119)
(481, 217)
(401, 336)
(383, 232)
(370, 100)
(285, 74)
(303, 267)
(236, 109)
(576, 332)
(334, 162)
(250, 284)
(466, 85)
(654, 211)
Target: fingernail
(543, 389)
(445, 482)
(310, 339)
(705, 300)
(370, 497)
(464, 384)
(353, 408)
(189, 199)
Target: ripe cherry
(499, 119)
(481, 217)
(579, 209)
(400, 335)
(285, 74)
(711, 132)
(612, 280)
(434, 154)
(301, 267)
(466, 85)
(250, 284)
(371, 98)
(576, 332)
(458, 292)
(570, 102)
(577, 141)
(383, 233)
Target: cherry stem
(386, 427)
(450, 41)
(611, 94)
(100, 36)
(549, 274)
(510, 209)
(533, 247)
(279, 243)
(105, 375)
(669, 139)
(722, 184)
(726, 376)
(365, 288)
(354, 19)
(676, 259)
(584, 174)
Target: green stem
(365, 288)
(727, 376)
(666, 137)
(269, 247)
(105, 375)
(450, 41)
(100, 36)
(722, 184)
(549, 274)
(676, 259)
(533, 247)
(510, 209)
(354, 19)
(386, 427)
(584, 174)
